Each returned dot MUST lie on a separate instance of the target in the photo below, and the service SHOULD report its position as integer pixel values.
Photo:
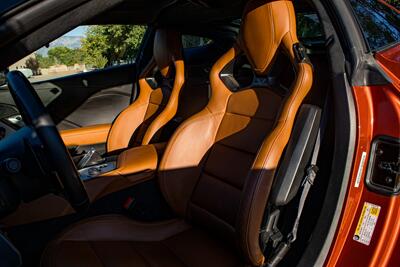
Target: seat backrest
(218, 167)
(156, 103)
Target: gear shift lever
(86, 158)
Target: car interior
(190, 156)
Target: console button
(95, 171)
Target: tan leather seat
(155, 106)
(217, 169)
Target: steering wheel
(36, 117)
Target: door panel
(91, 97)
(48, 92)
(101, 107)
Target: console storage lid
(135, 160)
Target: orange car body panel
(378, 113)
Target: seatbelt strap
(311, 172)
(307, 183)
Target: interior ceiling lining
(178, 12)
(133, 12)
(169, 12)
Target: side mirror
(3, 79)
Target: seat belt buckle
(271, 232)
(133, 208)
(129, 204)
(278, 254)
(276, 238)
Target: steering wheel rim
(35, 115)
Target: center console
(91, 164)
(90, 172)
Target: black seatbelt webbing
(306, 185)
(308, 181)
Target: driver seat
(218, 168)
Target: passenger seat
(156, 105)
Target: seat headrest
(167, 49)
(267, 25)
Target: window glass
(190, 41)
(83, 49)
(308, 26)
(379, 20)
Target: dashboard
(10, 119)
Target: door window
(83, 49)
(191, 41)
(379, 20)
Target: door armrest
(90, 135)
